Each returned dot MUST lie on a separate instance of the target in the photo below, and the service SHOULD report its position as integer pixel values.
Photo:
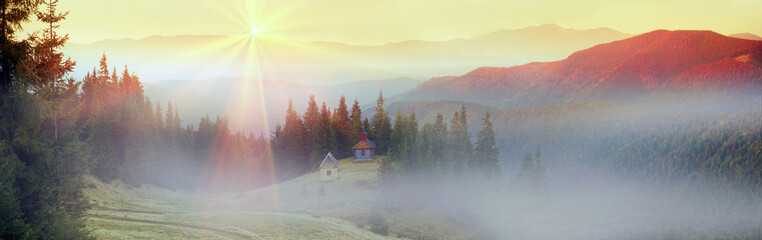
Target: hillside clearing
(293, 209)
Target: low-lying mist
(598, 208)
(669, 170)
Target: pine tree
(381, 126)
(527, 170)
(115, 83)
(173, 127)
(204, 136)
(159, 122)
(312, 115)
(91, 91)
(296, 152)
(460, 141)
(130, 86)
(324, 137)
(485, 155)
(426, 158)
(411, 128)
(532, 172)
(356, 122)
(41, 157)
(50, 66)
(404, 149)
(14, 53)
(170, 120)
(341, 125)
(311, 118)
(397, 137)
(177, 119)
(440, 143)
(103, 73)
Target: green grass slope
(295, 209)
(123, 212)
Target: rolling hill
(294, 209)
(624, 71)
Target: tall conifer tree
(343, 130)
(485, 155)
(294, 142)
(355, 121)
(381, 126)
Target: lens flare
(247, 106)
(253, 31)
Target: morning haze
(380, 120)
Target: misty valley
(542, 132)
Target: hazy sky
(382, 21)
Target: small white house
(329, 168)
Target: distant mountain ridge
(630, 69)
(747, 36)
(158, 58)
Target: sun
(253, 31)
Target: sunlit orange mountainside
(633, 69)
(639, 67)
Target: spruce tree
(294, 143)
(411, 128)
(381, 126)
(397, 137)
(170, 123)
(527, 170)
(14, 52)
(312, 115)
(50, 67)
(343, 130)
(159, 122)
(355, 122)
(485, 155)
(324, 137)
(426, 139)
(311, 118)
(440, 143)
(460, 141)
(204, 136)
(41, 157)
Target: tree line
(138, 143)
(301, 142)
(304, 140)
(439, 150)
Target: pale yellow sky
(382, 21)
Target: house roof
(367, 144)
(329, 162)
